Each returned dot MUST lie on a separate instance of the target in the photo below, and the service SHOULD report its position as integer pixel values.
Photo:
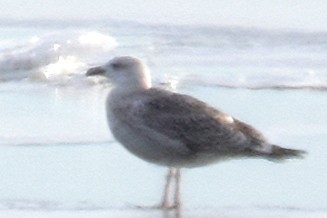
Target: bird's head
(124, 71)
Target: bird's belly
(149, 146)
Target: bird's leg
(165, 199)
(173, 173)
(177, 199)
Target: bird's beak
(95, 71)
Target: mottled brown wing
(198, 126)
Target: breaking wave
(230, 57)
(54, 56)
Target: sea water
(57, 153)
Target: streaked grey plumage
(172, 129)
(180, 131)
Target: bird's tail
(279, 153)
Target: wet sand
(196, 213)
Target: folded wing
(198, 126)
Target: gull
(175, 130)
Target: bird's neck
(138, 81)
(133, 84)
(121, 91)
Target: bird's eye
(117, 66)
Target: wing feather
(200, 127)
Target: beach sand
(196, 213)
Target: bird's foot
(165, 206)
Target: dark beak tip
(95, 71)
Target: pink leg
(177, 198)
(165, 199)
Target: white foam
(54, 56)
